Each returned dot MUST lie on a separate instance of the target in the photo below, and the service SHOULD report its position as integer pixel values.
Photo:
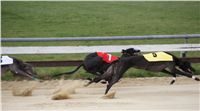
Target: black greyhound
(118, 68)
(19, 68)
(94, 64)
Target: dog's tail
(71, 72)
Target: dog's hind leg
(174, 78)
(104, 76)
(173, 74)
(186, 74)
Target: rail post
(183, 54)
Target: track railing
(78, 62)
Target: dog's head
(26, 69)
(130, 51)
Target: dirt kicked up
(129, 94)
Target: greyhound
(94, 64)
(17, 67)
(116, 70)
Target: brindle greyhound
(20, 68)
(118, 68)
(95, 65)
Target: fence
(78, 62)
(185, 36)
(87, 49)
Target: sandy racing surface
(131, 94)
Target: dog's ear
(138, 50)
(135, 50)
(123, 51)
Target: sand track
(131, 94)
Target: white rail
(50, 39)
(88, 49)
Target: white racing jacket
(5, 60)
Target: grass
(64, 19)
(79, 19)
(81, 74)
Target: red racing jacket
(108, 58)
